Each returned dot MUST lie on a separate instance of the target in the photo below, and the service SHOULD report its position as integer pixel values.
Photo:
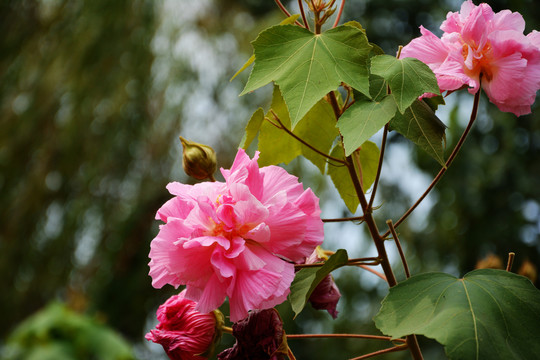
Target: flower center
(478, 61)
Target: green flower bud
(198, 160)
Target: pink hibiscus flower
(479, 43)
(237, 239)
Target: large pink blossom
(185, 333)
(480, 46)
(237, 239)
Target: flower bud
(185, 333)
(326, 295)
(198, 160)
(260, 336)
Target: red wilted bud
(198, 160)
(326, 295)
(260, 336)
(184, 333)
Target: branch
(379, 167)
(373, 271)
(283, 127)
(338, 16)
(400, 250)
(511, 257)
(384, 351)
(304, 19)
(357, 336)
(446, 165)
(285, 11)
(356, 218)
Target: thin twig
(373, 261)
(356, 218)
(373, 271)
(511, 256)
(303, 13)
(286, 12)
(283, 127)
(379, 167)
(290, 354)
(340, 11)
(400, 250)
(446, 165)
(357, 336)
(384, 351)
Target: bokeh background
(93, 97)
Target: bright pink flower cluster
(480, 46)
(239, 238)
(184, 333)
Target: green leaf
(489, 314)
(290, 20)
(363, 119)
(408, 78)
(420, 125)
(317, 128)
(369, 159)
(307, 66)
(368, 156)
(252, 128)
(307, 279)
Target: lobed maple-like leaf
(307, 66)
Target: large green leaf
(408, 78)
(363, 119)
(420, 125)
(307, 66)
(290, 20)
(316, 128)
(307, 279)
(368, 156)
(489, 314)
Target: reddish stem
(340, 11)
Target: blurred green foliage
(58, 333)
